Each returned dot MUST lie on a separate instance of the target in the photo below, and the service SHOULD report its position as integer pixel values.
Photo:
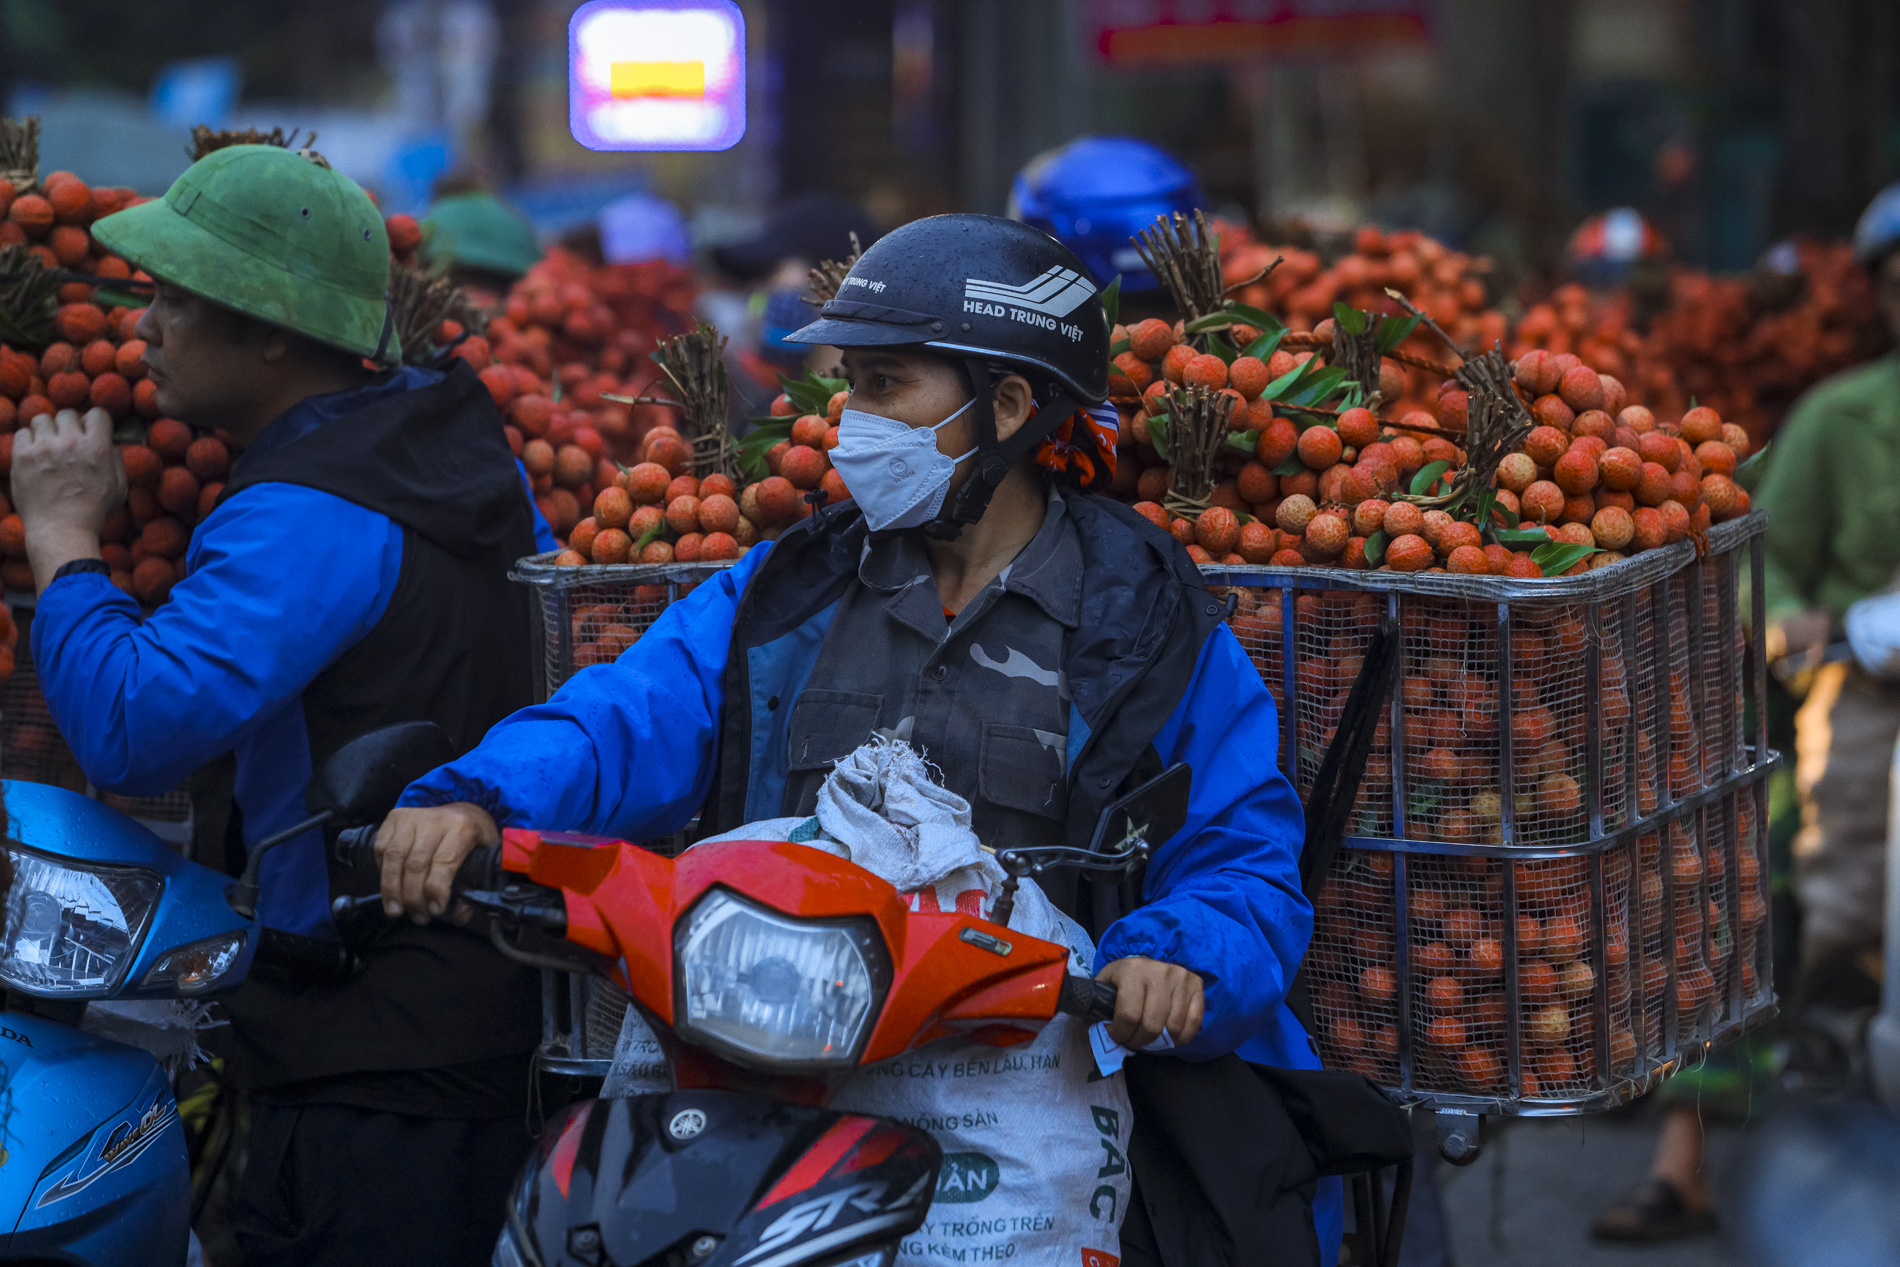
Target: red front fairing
(951, 972)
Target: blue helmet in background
(1879, 229)
(1095, 193)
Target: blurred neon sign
(656, 74)
(1160, 33)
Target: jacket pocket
(829, 725)
(1019, 771)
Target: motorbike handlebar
(356, 850)
(1087, 998)
(305, 961)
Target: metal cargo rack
(1552, 898)
(591, 613)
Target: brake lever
(1121, 858)
(533, 906)
(529, 904)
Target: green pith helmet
(267, 232)
(477, 230)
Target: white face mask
(894, 471)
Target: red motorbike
(765, 969)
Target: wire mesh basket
(33, 750)
(31, 747)
(590, 614)
(580, 1023)
(581, 1013)
(1554, 893)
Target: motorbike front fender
(93, 1166)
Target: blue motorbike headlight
(72, 928)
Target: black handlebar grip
(481, 869)
(356, 850)
(1087, 998)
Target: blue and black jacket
(353, 575)
(695, 714)
(695, 717)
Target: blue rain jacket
(280, 581)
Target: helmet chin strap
(995, 459)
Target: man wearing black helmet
(1046, 647)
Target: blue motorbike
(93, 1165)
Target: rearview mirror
(1153, 812)
(362, 780)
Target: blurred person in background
(772, 269)
(800, 234)
(1833, 539)
(1831, 525)
(1607, 248)
(643, 227)
(1093, 195)
(1672, 1201)
(479, 243)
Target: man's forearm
(50, 547)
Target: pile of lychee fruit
(569, 336)
(657, 511)
(1449, 286)
(1596, 471)
(173, 476)
(1749, 346)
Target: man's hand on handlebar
(1153, 996)
(420, 849)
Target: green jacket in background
(1832, 493)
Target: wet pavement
(1530, 1197)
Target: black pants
(327, 1185)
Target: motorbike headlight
(196, 967)
(761, 987)
(72, 927)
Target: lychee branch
(1197, 424)
(29, 298)
(1413, 310)
(1315, 340)
(1185, 255)
(20, 152)
(694, 363)
(827, 276)
(1497, 425)
(419, 304)
(205, 141)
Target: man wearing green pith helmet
(481, 243)
(353, 575)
